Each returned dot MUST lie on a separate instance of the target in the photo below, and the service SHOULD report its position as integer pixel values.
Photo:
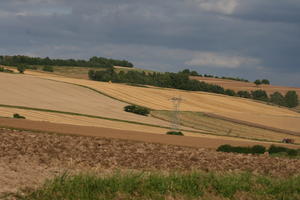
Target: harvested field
(29, 91)
(159, 99)
(27, 159)
(223, 127)
(239, 85)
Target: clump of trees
(182, 81)
(48, 68)
(262, 82)
(97, 62)
(137, 110)
(21, 69)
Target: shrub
(291, 99)
(225, 148)
(21, 69)
(48, 69)
(258, 149)
(137, 110)
(175, 133)
(31, 67)
(17, 116)
(292, 152)
(276, 149)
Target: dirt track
(27, 159)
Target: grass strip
(158, 185)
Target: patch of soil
(27, 159)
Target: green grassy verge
(156, 185)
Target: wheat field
(159, 99)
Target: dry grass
(159, 99)
(222, 127)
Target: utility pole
(176, 121)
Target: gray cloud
(248, 38)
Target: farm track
(27, 158)
(158, 99)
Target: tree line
(182, 81)
(97, 62)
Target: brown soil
(27, 159)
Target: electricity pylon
(176, 121)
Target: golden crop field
(223, 127)
(34, 92)
(159, 99)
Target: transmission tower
(176, 121)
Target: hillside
(247, 86)
(159, 99)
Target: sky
(252, 39)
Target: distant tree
(257, 82)
(21, 69)
(260, 95)
(194, 73)
(278, 98)
(265, 82)
(291, 99)
(48, 68)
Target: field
(159, 99)
(217, 126)
(27, 158)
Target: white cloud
(221, 6)
(222, 61)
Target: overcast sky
(245, 38)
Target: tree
(260, 95)
(21, 69)
(230, 92)
(291, 99)
(244, 94)
(278, 98)
(257, 82)
(265, 82)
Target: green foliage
(291, 99)
(31, 67)
(257, 82)
(48, 68)
(265, 82)
(278, 98)
(137, 110)
(21, 68)
(2, 69)
(257, 149)
(161, 185)
(97, 62)
(244, 94)
(260, 95)
(175, 133)
(277, 149)
(230, 92)
(17, 116)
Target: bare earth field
(239, 85)
(27, 159)
(159, 99)
(29, 91)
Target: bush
(17, 116)
(21, 69)
(48, 69)
(292, 152)
(258, 149)
(276, 149)
(137, 110)
(175, 133)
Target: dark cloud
(231, 37)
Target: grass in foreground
(192, 185)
